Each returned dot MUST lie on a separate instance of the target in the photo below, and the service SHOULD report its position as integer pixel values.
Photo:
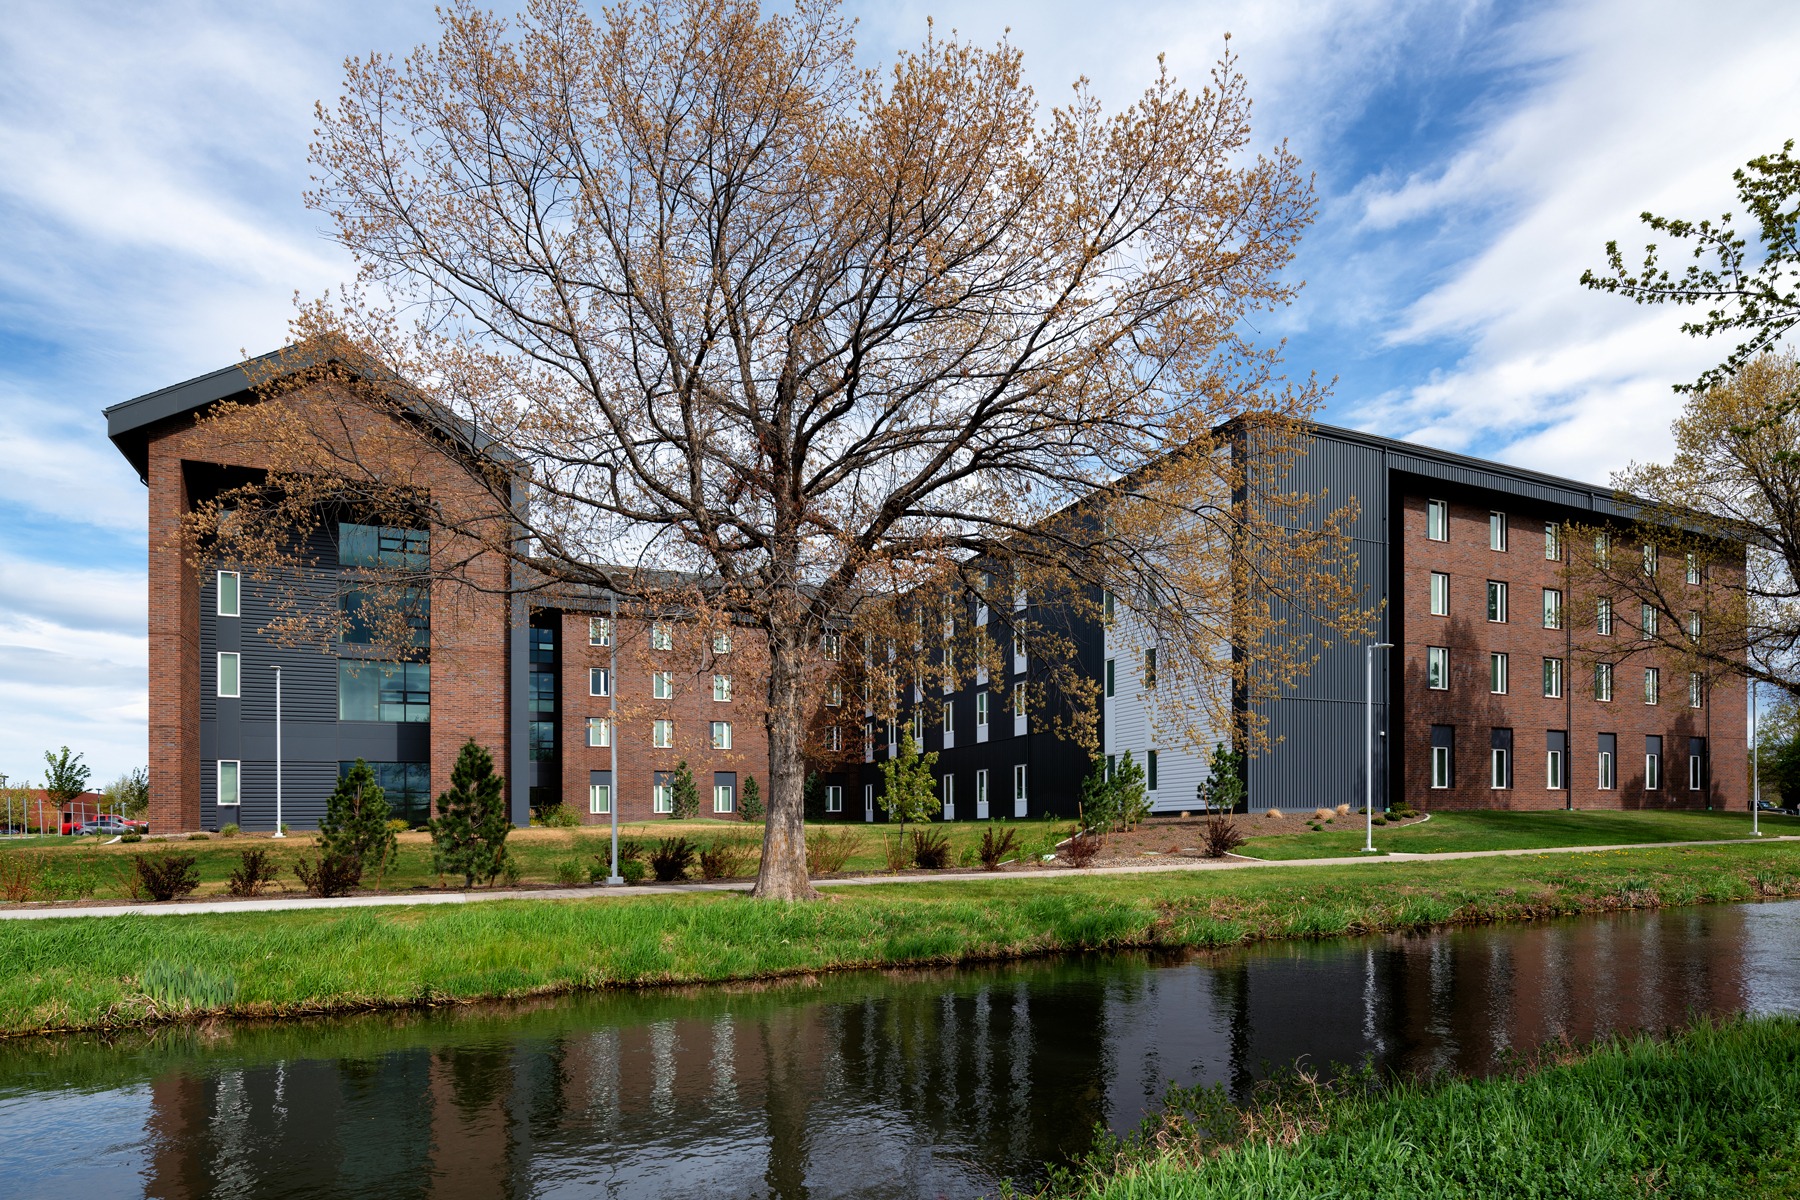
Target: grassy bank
(93, 973)
(1709, 1112)
(1451, 831)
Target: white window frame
(1021, 790)
(661, 636)
(1497, 769)
(599, 731)
(1437, 520)
(981, 708)
(1603, 682)
(724, 798)
(834, 738)
(599, 683)
(1650, 561)
(1696, 690)
(868, 802)
(721, 735)
(237, 783)
(1440, 594)
(662, 685)
(918, 728)
(1608, 780)
(949, 719)
(834, 798)
(1440, 766)
(1603, 616)
(1553, 613)
(1497, 673)
(831, 644)
(237, 674)
(722, 642)
(947, 791)
(1437, 668)
(1496, 601)
(237, 595)
(599, 799)
(1652, 772)
(721, 689)
(1553, 770)
(834, 695)
(1693, 569)
(1648, 620)
(599, 631)
(662, 733)
(1553, 678)
(1552, 541)
(1652, 685)
(1694, 773)
(662, 798)
(981, 794)
(1497, 531)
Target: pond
(892, 1084)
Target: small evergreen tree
(686, 802)
(1225, 786)
(468, 837)
(1099, 803)
(355, 827)
(1131, 800)
(908, 791)
(750, 805)
(812, 797)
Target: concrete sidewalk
(1235, 863)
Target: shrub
(19, 875)
(750, 805)
(1082, 849)
(726, 858)
(129, 838)
(468, 838)
(671, 859)
(560, 816)
(1220, 836)
(199, 837)
(510, 871)
(332, 875)
(398, 825)
(1378, 820)
(899, 857)
(568, 872)
(167, 876)
(995, 850)
(685, 803)
(356, 822)
(253, 870)
(631, 870)
(828, 850)
(931, 849)
(182, 986)
(229, 831)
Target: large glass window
(406, 786)
(661, 638)
(381, 546)
(543, 646)
(541, 693)
(542, 735)
(383, 691)
(361, 615)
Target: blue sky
(1472, 158)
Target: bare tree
(768, 335)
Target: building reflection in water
(896, 1085)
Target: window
(1018, 647)
(1437, 520)
(949, 719)
(1553, 770)
(599, 731)
(1150, 667)
(1440, 594)
(1500, 769)
(405, 785)
(1603, 617)
(1652, 685)
(1496, 596)
(383, 691)
(1693, 627)
(722, 642)
(661, 638)
(1553, 678)
(1647, 621)
(918, 728)
(1497, 674)
(834, 694)
(1603, 549)
(600, 798)
(1018, 702)
(1107, 604)
(1552, 541)
(1018, 786)
(1696, 767)
(228, 593)
(541, 693)
(1552, 609)
(834, 798)
(1693, 569)
(542, 645)
(1111, 681)
(721, 735)
(1497, 531)
(981, 792)
(830, 644)
(725, 798)
(381, 546)
(1603, 681)
(1150, 770)
(834, 739)
(541, 740)
(1652, 762)
(1437, 667)
(229, 771)
(1607, 779)
(662, 733)
(598, 683)
(1443, 756)
(662, 685)
(981, 708)
(362, 616)
(722, 690)
(662, 793)
(1649, 559)
(1696, 690)
(893, 736)
(229, 684)
(599, 634)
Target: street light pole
(612, 731)
(1369, 706)
(277, 669)
(1755, 773)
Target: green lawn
(1708, 1112)
(75, 972)
(1452, 831)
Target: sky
(1471, 159)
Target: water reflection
(902, 1084)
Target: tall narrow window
(1552, 541)
(1018, 649)
(1649, 558)
(1652, 685)
(1696, 763)
(1552, 608)
(662, 733)
(721, 735)
(662, 685)
(1652, 762)
(722, 642)
(834, 739)
(1440, 594)
(1603, 549)
(1150, 770)
(599, 731)
(834, 694)
(1111, 682)
(1693, 569)
(1501, 768)
(834, 798)
(1108, 605)
(1603, 617)
(662, 794)
(981, 708)
(1150, 667)
(1647, 621)
(1443, 756)
(1608, 776)
(1693, 627)
(1018, 701)
(228, 593)
(600, 634)
(918, 727)
(1496, 597)
(599, 684)
(229, 770)
(1553, 770)
(1696, 690)
(1437, 520)
(1497, 674)
(228, 673)
(1496, 531)
(722, 688)
(599, 798)
(1437, 667)
(1553, 678)
(661, 637)
(1018, 787)
(831, 644)
(1603, 681)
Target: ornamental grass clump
(997, 845)
(1082, 849)
(468, 837)
(329, 875)
(1220, 836)
(254, 870)
(184, 987)
(671, 859)
(726, 858)
(827, 850)
(931, 849)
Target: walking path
(1235, 863)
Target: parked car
(107, 825)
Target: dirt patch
(1185, 837)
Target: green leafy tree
(750, 805)
(686, 804)
(1224, 787)
(468, 836)
(355, 827)
(1780, 765)
(67, 776)
(130, 792)
(908, 791)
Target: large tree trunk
(783, 872)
